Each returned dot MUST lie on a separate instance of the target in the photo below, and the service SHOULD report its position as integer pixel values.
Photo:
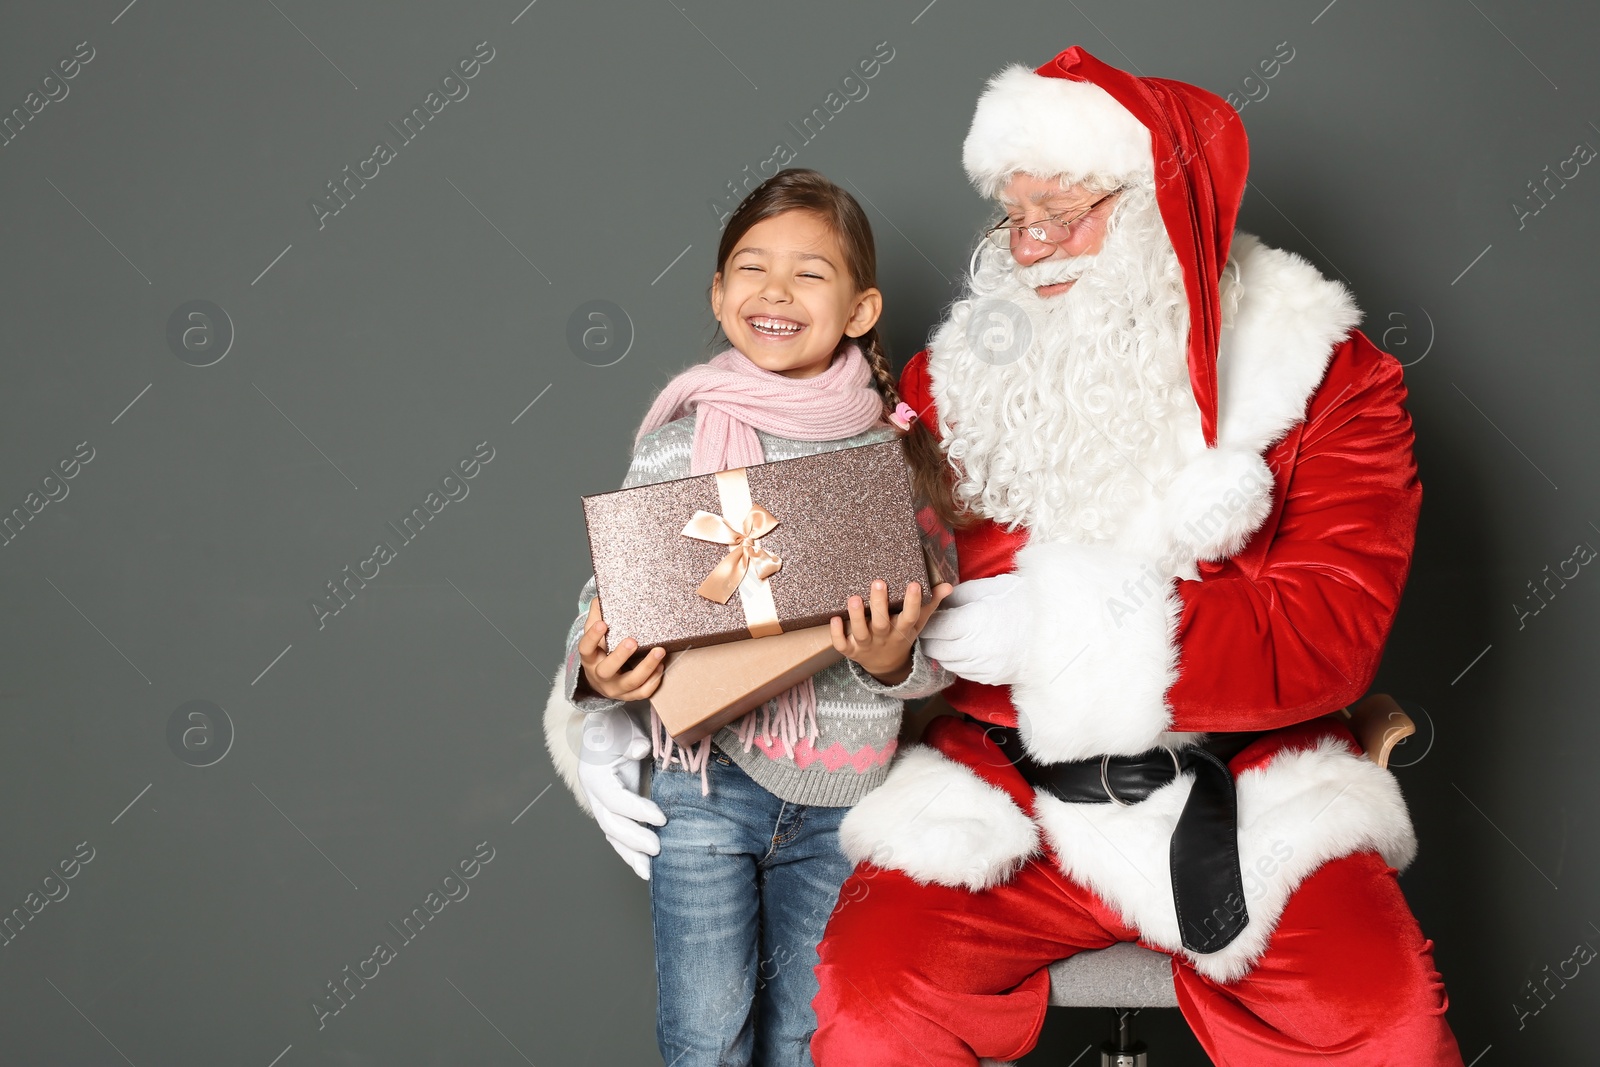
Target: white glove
(981, 630)
(608, 771)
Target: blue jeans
(739, 896)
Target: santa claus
(1186, 502)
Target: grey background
(371, 755)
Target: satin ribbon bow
(744, 551)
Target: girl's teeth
(776, 327)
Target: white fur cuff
(563, 736)
(937, 821)
(1217, 502)
(1101, 654)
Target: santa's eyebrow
(1043, 195)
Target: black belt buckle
(1105, 776)
(1203, 854)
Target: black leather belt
(1207, 888)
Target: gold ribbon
(741, 526)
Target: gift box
(754, 551)
(704, 689)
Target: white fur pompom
(1218, 501)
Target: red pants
(938, 976)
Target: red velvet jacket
(1293, 626)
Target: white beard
(1084, 427)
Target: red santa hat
(1079, 118)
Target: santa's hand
(608, 772)
(982, 631)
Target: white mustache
(1054, 271)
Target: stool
(1124, 978)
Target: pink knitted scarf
(731, 399)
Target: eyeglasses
(1053, 230)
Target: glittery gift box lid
(844, 517)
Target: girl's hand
(883, 646)
(600, 670)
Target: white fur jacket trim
(939, 822)
(563, 737)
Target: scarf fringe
(795, 711)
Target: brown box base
(704, 689)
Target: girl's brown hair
(800, 189)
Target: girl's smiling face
(785, 296)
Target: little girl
(748, 865)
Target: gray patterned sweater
(858, 717)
